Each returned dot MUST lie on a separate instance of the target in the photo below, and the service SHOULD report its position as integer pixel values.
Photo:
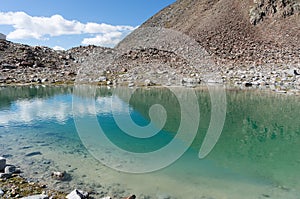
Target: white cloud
(26, 26)
(29, 111)
(58, 48)
(106, 39)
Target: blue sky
(66, 23)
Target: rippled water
(256, 156)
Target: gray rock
(2, 163)
(5, 175)
(44, 80)
(102, 79)
(131, 85)
(190, 81)
(36, 197)
(148, 82)
(58, 175)
(77, 194)
(9, 66)
(10, 169)
(248, 84)
(1, 192)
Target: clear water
(256, 156)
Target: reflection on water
(256, 156)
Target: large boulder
(2, 163)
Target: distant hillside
(235, 31)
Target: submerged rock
(131, 197)
(33, 154)
(57, 175)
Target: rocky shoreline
(25, 65)
(13, 184)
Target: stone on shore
(1, 192)
(58, 175)
(107, 197)
(10, 169)
(148, 82)
(77, 194)
(36, 197)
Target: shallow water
(256, 156)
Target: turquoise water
(256, 156)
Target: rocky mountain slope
(23, 64)
(235, 31)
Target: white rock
(148, 82)
(36, 197)
(107, 197)
(1, 192)
(290, 72)
(44, 80)
(102, 79)
(2, 163)
(215, 81)
(77, 194)
(131, 85)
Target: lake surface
(255, 156)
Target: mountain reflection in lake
(256, 156)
